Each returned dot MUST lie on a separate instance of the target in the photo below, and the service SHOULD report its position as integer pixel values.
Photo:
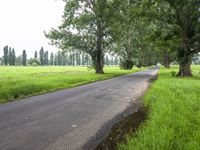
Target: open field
(19, 82)
(174, 115)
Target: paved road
(71, 119)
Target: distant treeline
(44, 58)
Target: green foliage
(173, 121)
(142, 33)
(84, 28)
(18, 82)
(124, 33)
(173, 73)
(33, 62)
(19, 60)
(179, 27)
(126, 64)
(131, 32)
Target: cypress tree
(107, 61)
(42, 56)
(46, 58)
(36, 55)
(19, 60)
(55, 60)
(59, 58)
(112, 61)
(83, 60)
(13, 57)
(5, 57)
(51, 59)
(70, 59)
(24, 57)
(116, 61)
(87, 59)
(78, 59)
(1, 60)
(64, 60)
(10, 56)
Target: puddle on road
(128, 125)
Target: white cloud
(22, 23)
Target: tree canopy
(141, 32)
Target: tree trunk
(184, 56)
(167, 61)
(99, 60)
(184, 70)
(185, 61)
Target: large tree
(123, 32)
(180, 18)
(84, 28)
(187, 15)
(130, 33)
(165, 42)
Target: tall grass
(18, 82)
(174, 118)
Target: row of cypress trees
(42, 58)
(9, 56)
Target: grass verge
(20, 82)
(174, 115)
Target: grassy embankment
(19, 82)
(174, 115)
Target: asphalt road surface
(71, 119)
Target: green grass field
(174, 115)
(19, 82)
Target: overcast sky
(22, 23)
